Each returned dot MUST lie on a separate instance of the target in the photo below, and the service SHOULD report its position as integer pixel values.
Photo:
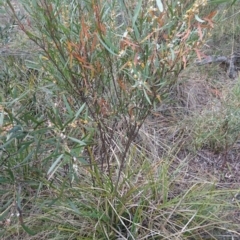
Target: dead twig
(232, 63)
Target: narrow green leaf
(218, 1)
(28, 157)
(73, 207)
(5, 213)
(1, 118)
(146, 96)
(160, 5)
(136, 12)
(4, 180)
(32, 65)
(137, 34)
(17, 99)
(66, 123)
(7, 143)
(77, 141)
(29, 231)
(11, 174)
(106, 46)
(79, 111)
(69, 109)
(53, 168)
(172, 54)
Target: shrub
(116, 59)
(102, 68)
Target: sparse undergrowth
(100, 136)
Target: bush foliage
(71, 115)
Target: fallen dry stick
(232, 63)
